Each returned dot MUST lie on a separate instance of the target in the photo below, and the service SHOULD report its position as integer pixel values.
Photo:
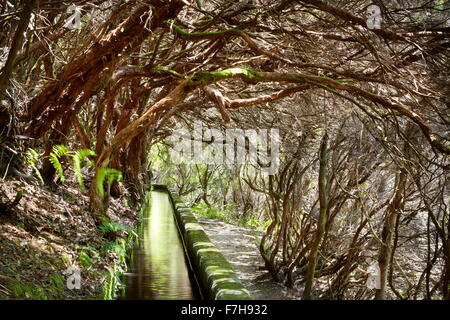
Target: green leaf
(31, 157)
(112, 226)
(85, 260)
(114, 247)
(106, 173)
(58, 151)
(80, 155)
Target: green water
(158, 268)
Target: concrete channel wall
(213, 272)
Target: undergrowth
(228, 215)
(120, 249)
(80, 159)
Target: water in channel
(158, 268)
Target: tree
(138, 69)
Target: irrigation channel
(159, 266)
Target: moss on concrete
(216, 277)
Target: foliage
(113, 226)
(302, 67)
(66, 260)
(228, 214)
(108, 174)
(115, 247)
(207, 211)
(255, 223)
(32, 157)
(112, 282)
(78, 158)
(85, 260)
(113, 279)
(27, 291)
(58, 281)
(58, 151)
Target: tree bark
(97, 205)
(7, 69)
(393, 210)
(323, 217)
(446, 285)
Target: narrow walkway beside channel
(239, 246)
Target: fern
(78, 158)
(85, 260)
(112, 226)
(31, 158)
(114, 247)
(119, 247)
(58, 151)
(58, 282)
(106, 173)
(112, 282)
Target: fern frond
(78, 158)
(85, 260)
(113, 246)
(31, 157)
(112, 226)
(57, 165)
(58, 151)
(106, 173)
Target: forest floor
(46, 233)
(240, 246)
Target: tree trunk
(393, 210)
(97, 205)
(446, 284)
(7, 69)
(323, 198)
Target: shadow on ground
(240, 247)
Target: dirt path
(239, 246)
